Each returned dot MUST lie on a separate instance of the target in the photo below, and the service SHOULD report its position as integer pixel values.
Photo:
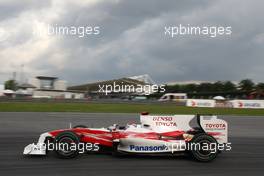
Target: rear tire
(64, 141)
(203, 154)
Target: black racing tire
(201, 155)
(48, 141)
(80, 126)
(66, 138)
(115, 152)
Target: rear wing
(210, 124)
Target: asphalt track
(20, 129)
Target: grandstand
(92, 89)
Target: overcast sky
(131, 40)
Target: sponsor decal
(240, 104)
(198, 104)
(254, 105)
(148, 148)
(164, 121)
(162, 118)
(166, 124)
(215, 126)
(203, 104)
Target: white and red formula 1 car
(198, 135)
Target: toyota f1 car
(155, 135)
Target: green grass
(120, 108)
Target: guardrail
(53, 100)
(245, 104)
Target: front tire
(64, 142)
(115, 152)
(201, 152)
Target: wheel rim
(65, 144)
(203, 152)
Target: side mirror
(146, 125)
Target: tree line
(246, 85)
(245, 89)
